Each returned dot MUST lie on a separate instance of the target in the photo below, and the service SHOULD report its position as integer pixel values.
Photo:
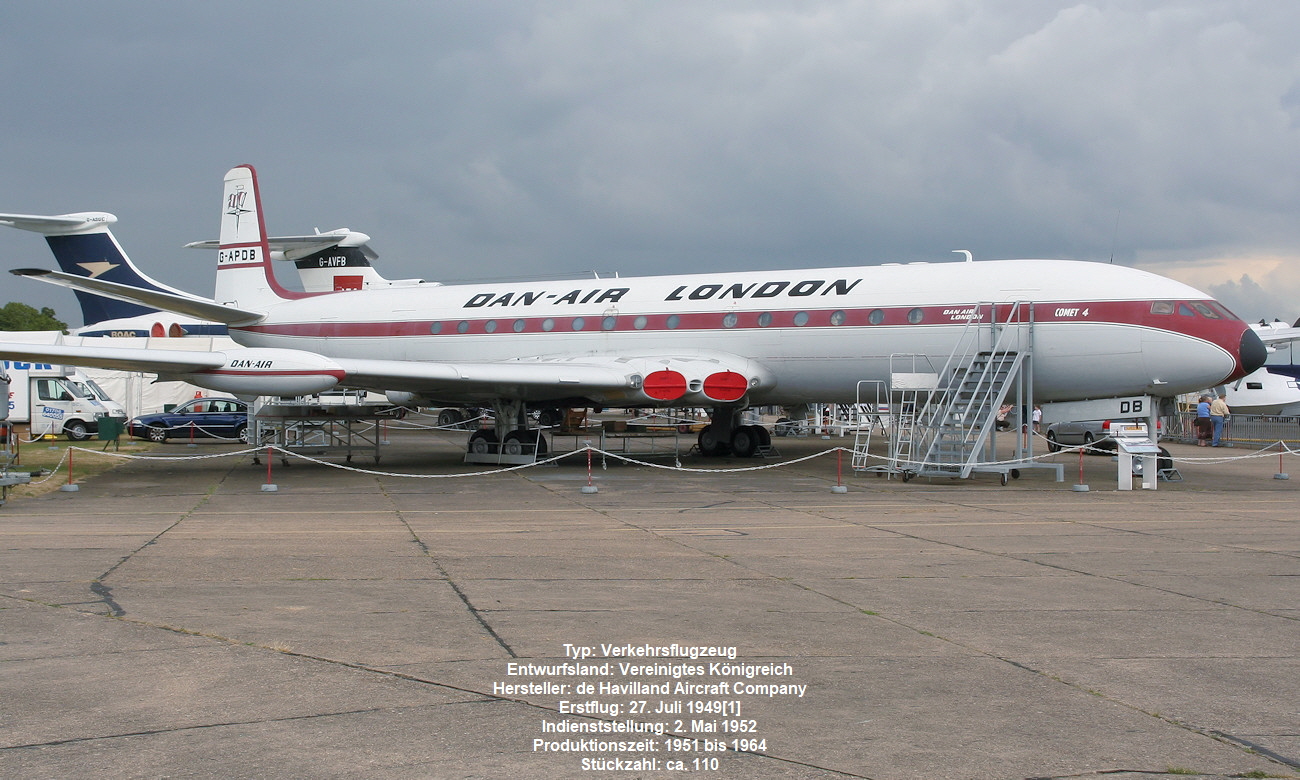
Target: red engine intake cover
(725, 386)
(664, 385)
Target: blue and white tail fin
(244, 275)
(84, 245)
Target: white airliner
(725, 341)
(1274, 389)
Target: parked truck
(51, 399)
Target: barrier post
(269, 487)
(1281, 448)
(1080, 487)
(589, 487)
(70, 487)
(839, 487)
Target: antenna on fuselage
(1114, 238)
(969, 257)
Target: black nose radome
(1253, 353)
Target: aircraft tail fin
(343, 266)
(84, 245)
(244, 275)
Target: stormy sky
(512, 140)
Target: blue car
(214, 418)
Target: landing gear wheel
(514, 443)
(448, 418)
(482, 442)
(523, 442)
(1164, 461)
(744, 441)
(711, 443)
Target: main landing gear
(511, 434)
(724, 435)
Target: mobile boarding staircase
(944, 423)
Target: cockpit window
(1206, 311)
(1185, 310)
(1162, 307)
(1223, 310)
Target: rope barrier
(1279, 447)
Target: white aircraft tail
(244, 276)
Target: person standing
(1202, 424)
(1218, 416)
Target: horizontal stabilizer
(61, 224)
(297, 247)
(194, 306)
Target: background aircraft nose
(1252, 353)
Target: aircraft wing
(603, 379)
(157, 361)
(464, 383)
(192, 305)
(1272, 337)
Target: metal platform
(314, 429)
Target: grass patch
(50, 453)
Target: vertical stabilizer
(84, 245)
(244, 276)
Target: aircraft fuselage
(1099, 330)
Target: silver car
(1094, 433)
